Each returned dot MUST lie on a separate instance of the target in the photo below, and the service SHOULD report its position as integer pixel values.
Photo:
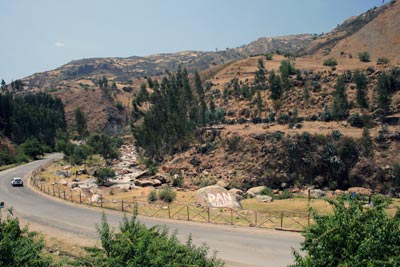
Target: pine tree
(340, 106)
(366, 143)
(259, 76)
(80, 123)
(384, 95)
(361, 83)
(275, 86)
(259, 104)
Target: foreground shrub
(352, 236)
(137, 246)
(18, 247)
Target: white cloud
(59, 44)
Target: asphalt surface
(237, 246)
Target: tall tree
(80, 122)
(259, 76)
(361, 84)
(275, 86)
(384, 95)
(200, 94)
(340, 106)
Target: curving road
(237, 246)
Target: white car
(17, 181)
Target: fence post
(308, 218)
(64, 194)
(80, 197)
(59, 194)
(71, 196)
(101, 200)
(122, 205)
(208, 214)
(281, 219)
(53, 191)
(255, 218)
(187, 208)
(169, 212)
(231, 216)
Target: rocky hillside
(76, 82)
(375, 31)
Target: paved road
(237, 246)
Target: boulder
(252, 192)
(95, 198)
(222, 183)
(157, 182)
(262, 198)
(317, 193)
(360, 191)
(216, 197)
(63, 182)
(144, 183)
(236, 191)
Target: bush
(103, 174)
(356, 120)
(364, 56)
(21, 158)
(396, 172)
(286, 194)
(152, 196)
(233, 143)
(18, 247)
(167, 194)
(136, 245)
(352, 236)
(382, 61)
(331, 62)
(6, 158)
(178, 181)
(267, 192)
(269, 56)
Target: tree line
(176, 108)
(30, 121)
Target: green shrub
(136, 245)
(19, 247)
(178, 181)
(364, 56)
(331, 62)
(167, 194)
(21, 158)
(267, 192)
(233, 143)
(269, 56)
(356, 120)
(152, 196)
(6, 158)
(352, 235)
(286, 194)
(382, 61)
(103, 174)
(396, 172)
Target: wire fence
(289, 220)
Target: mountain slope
(76, 83)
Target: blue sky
(39, 35)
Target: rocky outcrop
(252, 192)
(216, 197)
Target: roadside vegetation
(134, 245)
(354, 235)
